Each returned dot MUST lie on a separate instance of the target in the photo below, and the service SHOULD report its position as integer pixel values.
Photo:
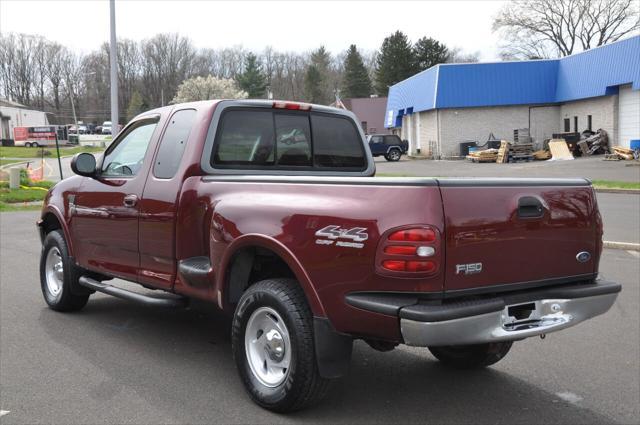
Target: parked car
(271, 212)
(106, 127)
(388, 145)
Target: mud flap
(333, 349)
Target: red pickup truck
(271, 211)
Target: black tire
(393, 155)
(70, 296)
(472, 356)
(303, 384)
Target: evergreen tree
(136, 105)
(318, 74)
(394, 63)
(313, 85)
(252, 80)
(429, 52)
(356, 78)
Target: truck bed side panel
(292, 213)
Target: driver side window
(125, 159)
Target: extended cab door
(104, 213)
(159, 203)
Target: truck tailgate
(505, 234)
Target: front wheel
(58, 275)
(393, 155)
(273, 346)
(471, 356)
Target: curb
(625, 191)
(622, 245)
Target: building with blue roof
(448, 104)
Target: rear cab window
(173, 143)
(274, 139)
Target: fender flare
(272, 244)
(52, 209)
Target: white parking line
(4, 412)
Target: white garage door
(628, 115)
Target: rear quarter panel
(214, 214)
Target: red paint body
(190, 215)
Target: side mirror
(84, 164)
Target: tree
(313, 85)
(428, 52)
(252, 80)
(318, 74)
(555, 28)
(206, 88)
(395, 62)
(456, 55)
(356, 77)
(135, 105)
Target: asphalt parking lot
(593, 168)
(116, 362)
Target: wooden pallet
(503, 152)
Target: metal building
(447, 104)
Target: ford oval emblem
(583, 257)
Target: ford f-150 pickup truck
(271, 212)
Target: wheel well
(250, 265)
(50, 223)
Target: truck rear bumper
(507, 317)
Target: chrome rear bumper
(546, 315)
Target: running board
(170, 301)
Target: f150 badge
(471, 268)
(330, 235)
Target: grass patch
(9, 161)
(12, 196)
(22, 152)
(4, 207)
(613, 184)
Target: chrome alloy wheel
(268, 347)
(394, 155)
(54, 271)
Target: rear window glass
(173, 144)
(268, 139)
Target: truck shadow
(180, 363)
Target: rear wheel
(273, 346)
(471, 356)
(393, 155)
(59, 276)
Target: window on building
(575, 124)
(364, 126)
(567, 125)
(589, 122)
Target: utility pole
(113, 59)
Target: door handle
(130, 201)
(530, 207)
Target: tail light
(293, 106)
(411, 252)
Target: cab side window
(376, 139)
(392, 140)
(173, 144)
(126, 157)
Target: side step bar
(169, 301)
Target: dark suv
(388, 145)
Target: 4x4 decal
(334, 232)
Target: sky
(285, 25)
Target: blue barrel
(635, 144)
